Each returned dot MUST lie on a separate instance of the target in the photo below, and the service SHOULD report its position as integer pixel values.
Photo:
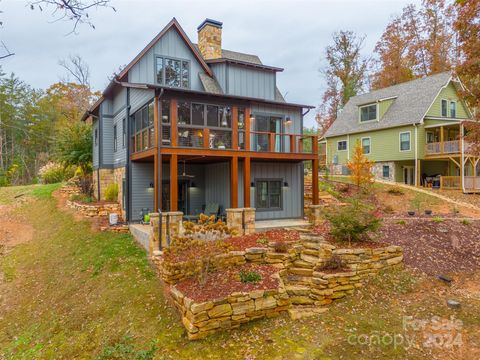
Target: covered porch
(446, 174)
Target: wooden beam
(174, 182)
(173, 122)
(417, 175)
(246, 182)
(234, 128)
(247, 129)
(454, 161)
(315, 199)
(234, 182)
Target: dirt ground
(12, 231)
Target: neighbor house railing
(455, 183)
(445, 147)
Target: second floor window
(342, 145)
(142, 128)
(366, 145)
(115, 138)
(368, 113)
(405, 141)
(444, 108)
(453, 109)
(172, 72)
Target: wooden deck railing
(472, 183)
(446, 147)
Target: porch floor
(263, 225)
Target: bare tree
(76, 11)
(77, 68)
(5, 52)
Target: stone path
(429, 192)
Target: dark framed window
(212, 115)
(368, 113)
(96, 137)
(405, 141)
(124, 132)
(165, 111)
(268, 194)
(198, 114)
(342, 145)
(183, 112)
(386, 171)
(172, 72)
(453, 109)
(444, 108)
(115, 138)
(143, 132)
(241, 128)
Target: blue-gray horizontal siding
(95, 127)
(171, 44)
(120, 156)
(142, 194)
(139, 97)
(244, 81)
(107, 140)
(217, 182)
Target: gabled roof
(411, 102)
(172, 24)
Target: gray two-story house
(187, 125)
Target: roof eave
(244, 63)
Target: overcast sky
(288, 34)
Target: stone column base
(235, 220)
(249, 220)
(315, 216)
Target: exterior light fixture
(288, 120)
(151, 185)
(285, 184)
(252, 117)
(193, 185)
(252, 185)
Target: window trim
(409, 141)
(204, 125)
(360, 107)
(346, 143)
(115, 138)
(258, 209)
(370, 144)
(383, 171)
(164, 57)
(441, 108)
(450, 109)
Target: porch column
(417, 174)
(156, 156)
(174, 182)
(246, 182)
(314, 182)
(234, 182)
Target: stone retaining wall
(202, 319)
(95, 210)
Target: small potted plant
(221, 145)
(411, 212)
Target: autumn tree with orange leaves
(360, 167)
(419, 42)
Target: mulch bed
(223, 283)
(436, 248)
(255, 240)
(324, 230)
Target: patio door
(182, 197)
(409, 175)
(268, 124)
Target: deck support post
(174, 182)
(234, 182)
(246, 182)
(156, 185)
(315, 199)
(417, 174)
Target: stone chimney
(210, 39)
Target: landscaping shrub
(353, 221)
(111, 192)
(417, 202)
(388, 209)
(438, 220)
(52, 173)
(280, 247)
(207, 229)
(334, 263)
(401, 222)
(82, 198)
(249, 277)
(396, 190)
(360, 167)
(466, 222)
(262, 241)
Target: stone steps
(300, 312)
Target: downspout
(160, 172)
(128, 170)
(416, 154)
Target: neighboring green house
(412, 133)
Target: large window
(444, 108)
(368, 113)
(143, 132)
(366, 145)
(453, 109)
(342, 145)
(172, 72)
(268, 194)
(197, 114)
(405, 141)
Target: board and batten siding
(142, 194)
(219, 71)
(448, 93)
(217, 182)
(170, 45)
(138, 98)
(244, 81)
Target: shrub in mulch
(262, 239)
(220, 284)
(333, 265)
